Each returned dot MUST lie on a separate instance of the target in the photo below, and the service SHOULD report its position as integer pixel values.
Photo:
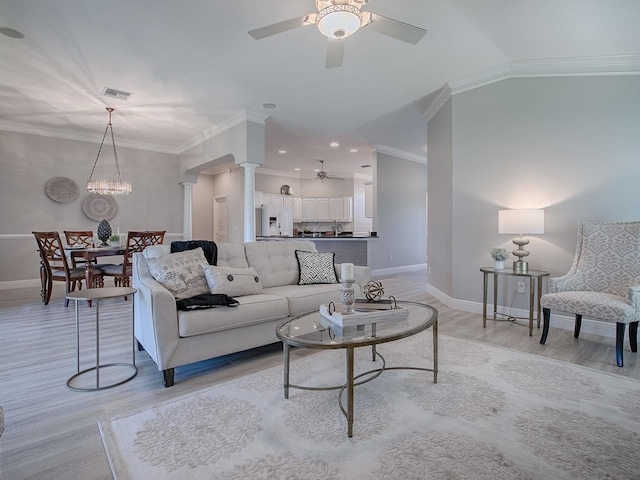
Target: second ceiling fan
(338, 19)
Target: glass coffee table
(312, 330)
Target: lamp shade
(521, 222)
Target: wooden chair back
(157, 237)
(79, 237)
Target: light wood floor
(51, 432)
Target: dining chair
(136, 242)
(157, 237)
(55, 266)
(78, 238)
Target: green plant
(499, 254)
(114, 238)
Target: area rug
(494, 414)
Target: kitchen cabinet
(336, 208)
(347, 209)
(297, 209)
(277, 200)
(322, 209)
(368, 200)
(308, 209)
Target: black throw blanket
(209, 247)
(206, 300)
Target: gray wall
(401, 213)
(28, 161)
(568, 145)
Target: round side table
(97, 294)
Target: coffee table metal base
(352, 378)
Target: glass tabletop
(312, 330)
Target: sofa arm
(156, 316)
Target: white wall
(568, 145)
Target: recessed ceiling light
(297, 169)
(282, 151)
(11, 33)
(335, 144)
(354, 150)
(269, 105)
(316, 169)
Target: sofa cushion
(276, 262)
(316, 267)
(181, 273)
(232, 255)
(234, 282)
(308, 298)
(253, 309)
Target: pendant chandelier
(108, 186)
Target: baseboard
(395, 270)
(11, 284)
(566, 322)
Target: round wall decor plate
(61, 189)
(99, 207)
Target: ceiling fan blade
(335, 53)
(396, 29)
(279, 27)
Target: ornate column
(249, 201)
(187, 214)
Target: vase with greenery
(499, 255)
(114, 240)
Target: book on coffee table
(365, 304)
(335, 315)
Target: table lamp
(521, 222)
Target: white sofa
(174, 338)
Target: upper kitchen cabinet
(323, 209)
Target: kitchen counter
(321, 237)
(347, 248)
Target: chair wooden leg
(633, 336)
(48, 292)
(576, 330)
(619, 342)
(546, 313)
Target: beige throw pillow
(234, 282)
(181, 273)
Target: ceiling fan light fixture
(339, 21)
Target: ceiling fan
(322, 175)
(338, 19)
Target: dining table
(89, 254)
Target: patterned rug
(494, 414)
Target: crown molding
(237, 119)
(554, 67)
(611, 65)
(55, 132)
(444, 94)
(399, 153)
(278, 173)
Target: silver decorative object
(348, 297)
(373, 291)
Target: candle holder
(347, 296)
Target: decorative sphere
(373, 291)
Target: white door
(220, 219)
